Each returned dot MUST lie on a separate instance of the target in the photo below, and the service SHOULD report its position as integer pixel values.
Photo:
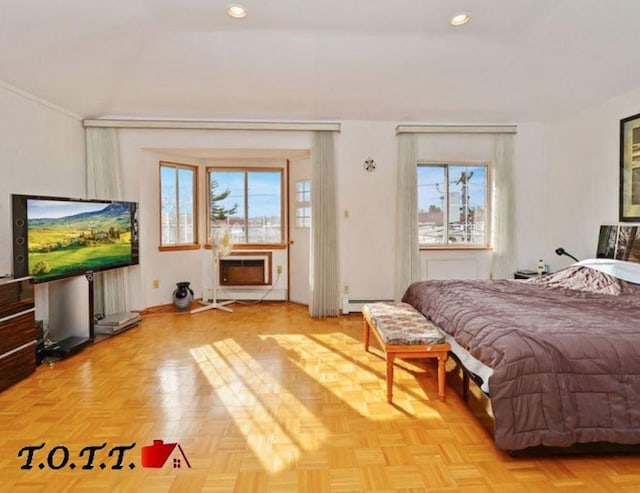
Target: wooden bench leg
(442, 375)
(390, 359)
(367, 331)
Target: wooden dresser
(17, 330)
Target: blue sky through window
(431, 187)
(264, 189)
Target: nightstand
(524, 274)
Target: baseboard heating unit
(353, 306)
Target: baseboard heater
(353, 306)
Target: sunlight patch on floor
(277, 426)
(339, 363)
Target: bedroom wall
(366, 205)
(41, 152)
(583, 180)
(530, 180)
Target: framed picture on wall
(630, 169)
(628, 246)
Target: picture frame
(630, 169)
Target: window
(178, 210)
(452, 205)
(303, 204)
(257, 192)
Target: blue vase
(182, 296)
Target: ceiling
(397, 60)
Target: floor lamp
(217, 249)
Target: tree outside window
(257, 193)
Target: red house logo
(156, 455)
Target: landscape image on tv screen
(66, 237)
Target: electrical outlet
(279, 269)
(346, 289)
(155, 283)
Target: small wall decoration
(370, 164)
(630, 169)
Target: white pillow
(627, 271)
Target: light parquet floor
(265, 400)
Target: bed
(558, 356)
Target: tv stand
(74, 344)
(106, 327)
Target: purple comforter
(566, 362)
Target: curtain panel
(503, 259)
(407, 254)
(104, 182)
(325, 291)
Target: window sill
(457, 247)
(172, 248)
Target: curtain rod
(456, 129)
(211, 125)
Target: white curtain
(104, 182)
(503, 262)
(325, 292)
(407, 254)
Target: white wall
(583, 176)
(366, 205)
(531, 188)
(41, 152)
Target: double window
(255, 200)
(256, 194)
(453, 205)
(178, 206)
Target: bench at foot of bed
(403, 332)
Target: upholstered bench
(404, 332)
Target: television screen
(58, 237)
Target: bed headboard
(619, 242)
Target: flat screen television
(55, 237)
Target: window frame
(303, 204)
(247, 169)
(180, 246)
(447, 163)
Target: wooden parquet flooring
(265, 400)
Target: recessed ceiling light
(236, 10)
(459, 19)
